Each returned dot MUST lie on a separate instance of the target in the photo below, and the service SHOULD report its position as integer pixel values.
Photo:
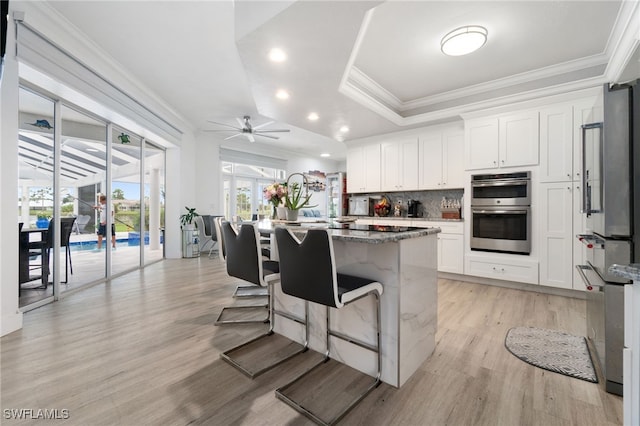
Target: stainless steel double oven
(501, 212)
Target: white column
(154, 209)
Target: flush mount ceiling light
(463, 40)
(277, 55)
(313, 116)
(344, 129)
(325, 154)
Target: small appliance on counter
(359, 206)
(413, 208)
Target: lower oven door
(501, 229)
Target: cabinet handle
(502, 161)
(569, 188)
(568, 175)
(494, 162)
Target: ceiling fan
(248, 130)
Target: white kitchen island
(405, 263)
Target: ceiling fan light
(463, 40)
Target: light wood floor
(143, 350)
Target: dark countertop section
(384, 234)
(425, 219)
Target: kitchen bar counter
(405, 263)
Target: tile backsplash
(429, 200)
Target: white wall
(11, 317)
(208, 177)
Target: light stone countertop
(631, 271)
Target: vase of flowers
(275, 194)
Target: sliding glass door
(78, 174)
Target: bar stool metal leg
(281, 392)
(228, 355)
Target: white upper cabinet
(561, 139)
(481, 139)
(363, 169)
(441, 164)
(556, 144)
(400, 165)
(519, 139)
(505, 141)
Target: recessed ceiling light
(325, 154)
(463, 40)
(282, 94)
(277, 55)
(313, 116)
(344, 129)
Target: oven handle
(586, 281)
(501, 183)
(518, 211)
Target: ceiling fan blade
(226, 125)
(262, 125)
(230, 130)
(233, 136)
(266, 136)
(240, 122)
(273, 130)
(250, 137)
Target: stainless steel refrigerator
(337, 202)
(611, 192)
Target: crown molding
(624, 40)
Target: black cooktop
(373, 228)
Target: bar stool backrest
(244, 259)
(217, 223)
(307, 267)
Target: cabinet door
(355, 170)
(372, 167)
(519, 139)
(555, 233)
(481, 143)
(390, 173)
(451, 253)
(453, 175)
(556, 144)
(430, 162)
(409, 164)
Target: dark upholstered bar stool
(308, 271)
(244, 260)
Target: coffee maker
(413, 208)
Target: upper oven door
(501, 190)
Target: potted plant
(186, 219)
(43, 221)
(295, 200)
(190, 240)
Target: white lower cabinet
(502, 268)
(450, 244)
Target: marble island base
(407, 270)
